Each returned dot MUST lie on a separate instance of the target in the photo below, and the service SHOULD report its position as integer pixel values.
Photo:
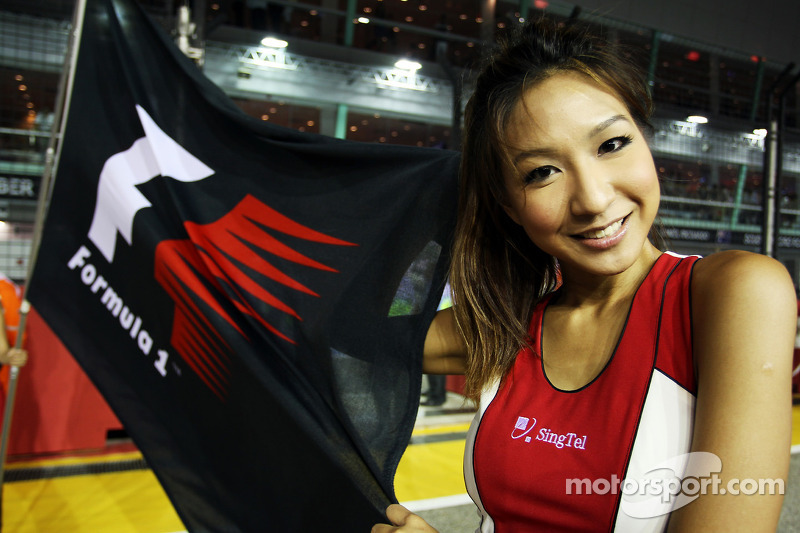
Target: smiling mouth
(608, 231)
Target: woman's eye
(612, 145)
(540, 174)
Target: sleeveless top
(542, 459)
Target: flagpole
(52, 156)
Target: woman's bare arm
(445, 351)
(743, 310)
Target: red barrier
(56, 408)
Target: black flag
(252, 301)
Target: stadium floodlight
(405, 64)
(697, 119)
(273, 42)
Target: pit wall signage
(19, 187)
(727, 237)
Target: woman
(599, 361)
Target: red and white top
(542, 459)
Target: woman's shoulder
(739, 265)
(737, 276)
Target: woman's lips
(605, 237)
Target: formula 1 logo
(213, 268)
(118, 199)
(218, 271)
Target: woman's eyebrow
(534, 152)
(606, 124)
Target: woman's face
(584, 186)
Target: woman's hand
(403, 520)
(15, 357)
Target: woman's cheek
(543, 215)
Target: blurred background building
(716, 68)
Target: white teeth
(605, 232)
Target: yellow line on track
(75, 460)
(436, 430)
(123, 502)
(430, 470)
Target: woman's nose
(592, 191)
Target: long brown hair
(497, 273)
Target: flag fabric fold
(251, 301)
